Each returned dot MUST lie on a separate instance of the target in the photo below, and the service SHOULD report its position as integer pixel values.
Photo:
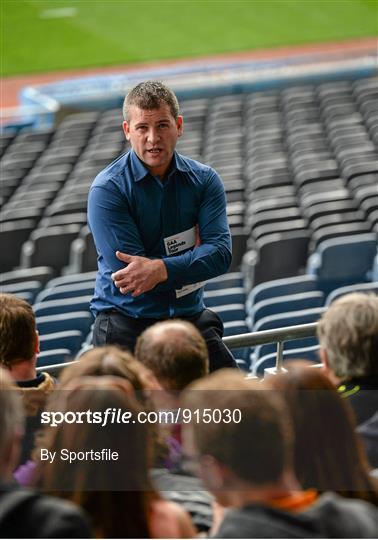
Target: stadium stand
(300, 172)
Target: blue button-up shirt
(131, 211)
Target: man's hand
(140, 275)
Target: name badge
(176, 244)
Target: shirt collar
(140, 171)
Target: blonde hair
(348, 331)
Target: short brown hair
(348, 331)
(150, 95)
(17, 330)
(258, 449)
(175, 352)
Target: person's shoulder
(114, 171)
(26, 513)
(342, 516)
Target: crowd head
(18, 331)
(348, 335)
(254, 451)
(175, 352)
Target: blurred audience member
(328, 455)
(116, 492)
(177, 354)
(348, 335)
(19, 346)
(249, 464)
(24, 513)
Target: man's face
(153, 136)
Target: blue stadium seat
(232, 295)
(55, 369)
(66, 291)
(39, 273)
(54, 307)
(69, 339)
(32, 288)
(283, 320)
(281, 255)
(371, 287)
(77, 320)
(282, 304)
(269, 360)
(232, 279)
(55, 356)
(281, 287)
(13, 234)
(49, 246)
(70, 279)
(231, 312)
(343, 261)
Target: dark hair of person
(257, 449)
(117, 494)
(328, 455)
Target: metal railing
(277, 335)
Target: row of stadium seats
(64, 322)
(297, 163)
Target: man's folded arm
(213, 257)
(112, 227)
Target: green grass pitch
(41, 35)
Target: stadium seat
(281, 255)
(371, 287)
(13, 234)
(32, 288)
(55, 369)
(269, 360)
(83, 254)
(283, 320)
(77, 320)
(235, 328)
(281, 287)
(71, 279)
(232, 295)
(231, 312)
(69, 339)
(54, 307)
(66, 291)
(49, 246)
(39, 273)
(282, 304)
(55, 356)
(343, 261)
(231, 279)
(239, 240)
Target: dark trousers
(114, 328)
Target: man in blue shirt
(160, 227)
